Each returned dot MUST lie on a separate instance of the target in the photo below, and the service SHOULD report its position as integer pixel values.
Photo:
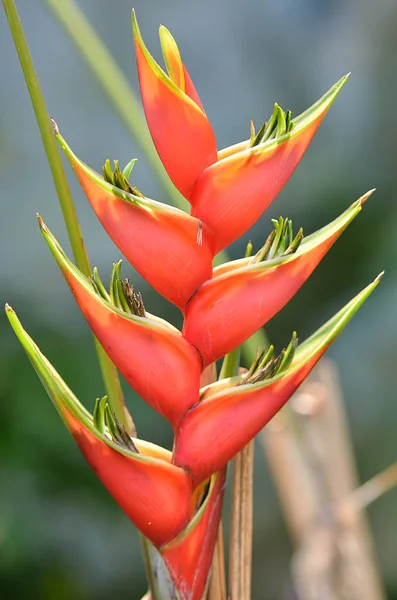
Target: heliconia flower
(231, 189)
(170, 249)
(229, 416)
(245, 294)
(161, 366)
(154, 494)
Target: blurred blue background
(61, 535)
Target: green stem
(161, 586)
(114, 83)
(109, 373)
(230, 364)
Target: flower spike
(249, 292)
(152, 355)
(233, 193)
(170, 249)
(181, 132)
(231, 417)
(153, 493)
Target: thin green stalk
(114, 83)
(109, 372)
(160, 583)
(230, 364)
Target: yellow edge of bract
(156, 67)
(195, 519)
(170, 49)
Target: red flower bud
(242, 295)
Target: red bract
(230, 190)
(170, 249)
(234, 192)
(180, 129)
(226, 420)
(189, 556)
(248, 294)
(151, 354)
(154, 494)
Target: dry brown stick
(240, 557)
(348, 567)
(217, 586)
(247, 515)
(372, 489)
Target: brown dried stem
(240, 559)
(312, 461)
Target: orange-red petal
(180, 130)
(228, 309)
(169, 248)
(233, 193)
(217, 428)
(155, 359)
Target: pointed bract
(170, 249)
(154, 494)
(189, 556)
(180, 130)
(233, 193)
(229, 308)
(152, 355)
(217, 428)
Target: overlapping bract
(175, 499)
(231, 189)
(157, 496)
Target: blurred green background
(61, 535)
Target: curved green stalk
(109, 372)
(114, 83)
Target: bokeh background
(61, 535)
